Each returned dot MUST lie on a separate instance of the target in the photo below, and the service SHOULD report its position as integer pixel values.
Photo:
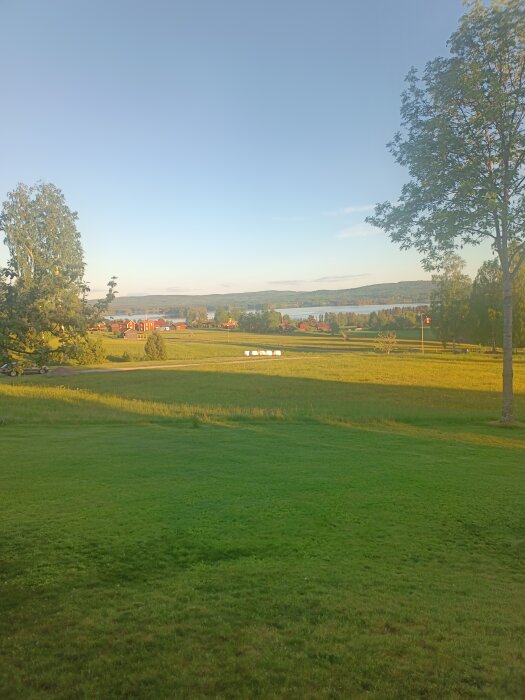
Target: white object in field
(269, 352)
(246, 353)
(254, 352)
(277, 352)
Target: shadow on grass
(222, 397)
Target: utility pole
(424, 320)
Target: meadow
(335, 523)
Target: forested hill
(417, 292)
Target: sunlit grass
(333, 525)
(199, 344)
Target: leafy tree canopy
(44, 308)
(463, 142)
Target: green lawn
(329, 526)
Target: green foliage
(450, 301)
(222, 315)
(266, 321)
(89, 351)
(392, 319)
(463, 140)
(44, 311)
(486, 306)
(155, 348)
(196, 315)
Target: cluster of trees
(266, 321)
(472, 310)
(44, 310)
(198, 315)
(396, 319)
(223, 314)
(345, 318)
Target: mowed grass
(217, 343)
(335, 525)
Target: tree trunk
(507, 409)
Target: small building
(132, 334)
(229, 324)
(180, 326)
(130, 325)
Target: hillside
(391, 293)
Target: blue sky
(218, 145)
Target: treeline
(396, 318)
(466, 310)
(269, 320)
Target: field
(330, 524)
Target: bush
(155, 348)
(89, 352)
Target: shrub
(155, 348)
(89, 352)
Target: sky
(214, 146)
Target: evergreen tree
(155, 348)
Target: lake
(293, 312)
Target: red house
(145, 326)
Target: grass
(199, 344)
(339, 525)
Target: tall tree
(450, 300)
(196, 315)
(486, 305)
(45, 311)
(463, 141)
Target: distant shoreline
(412, 293)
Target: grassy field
(199, 344)
(330, 524)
